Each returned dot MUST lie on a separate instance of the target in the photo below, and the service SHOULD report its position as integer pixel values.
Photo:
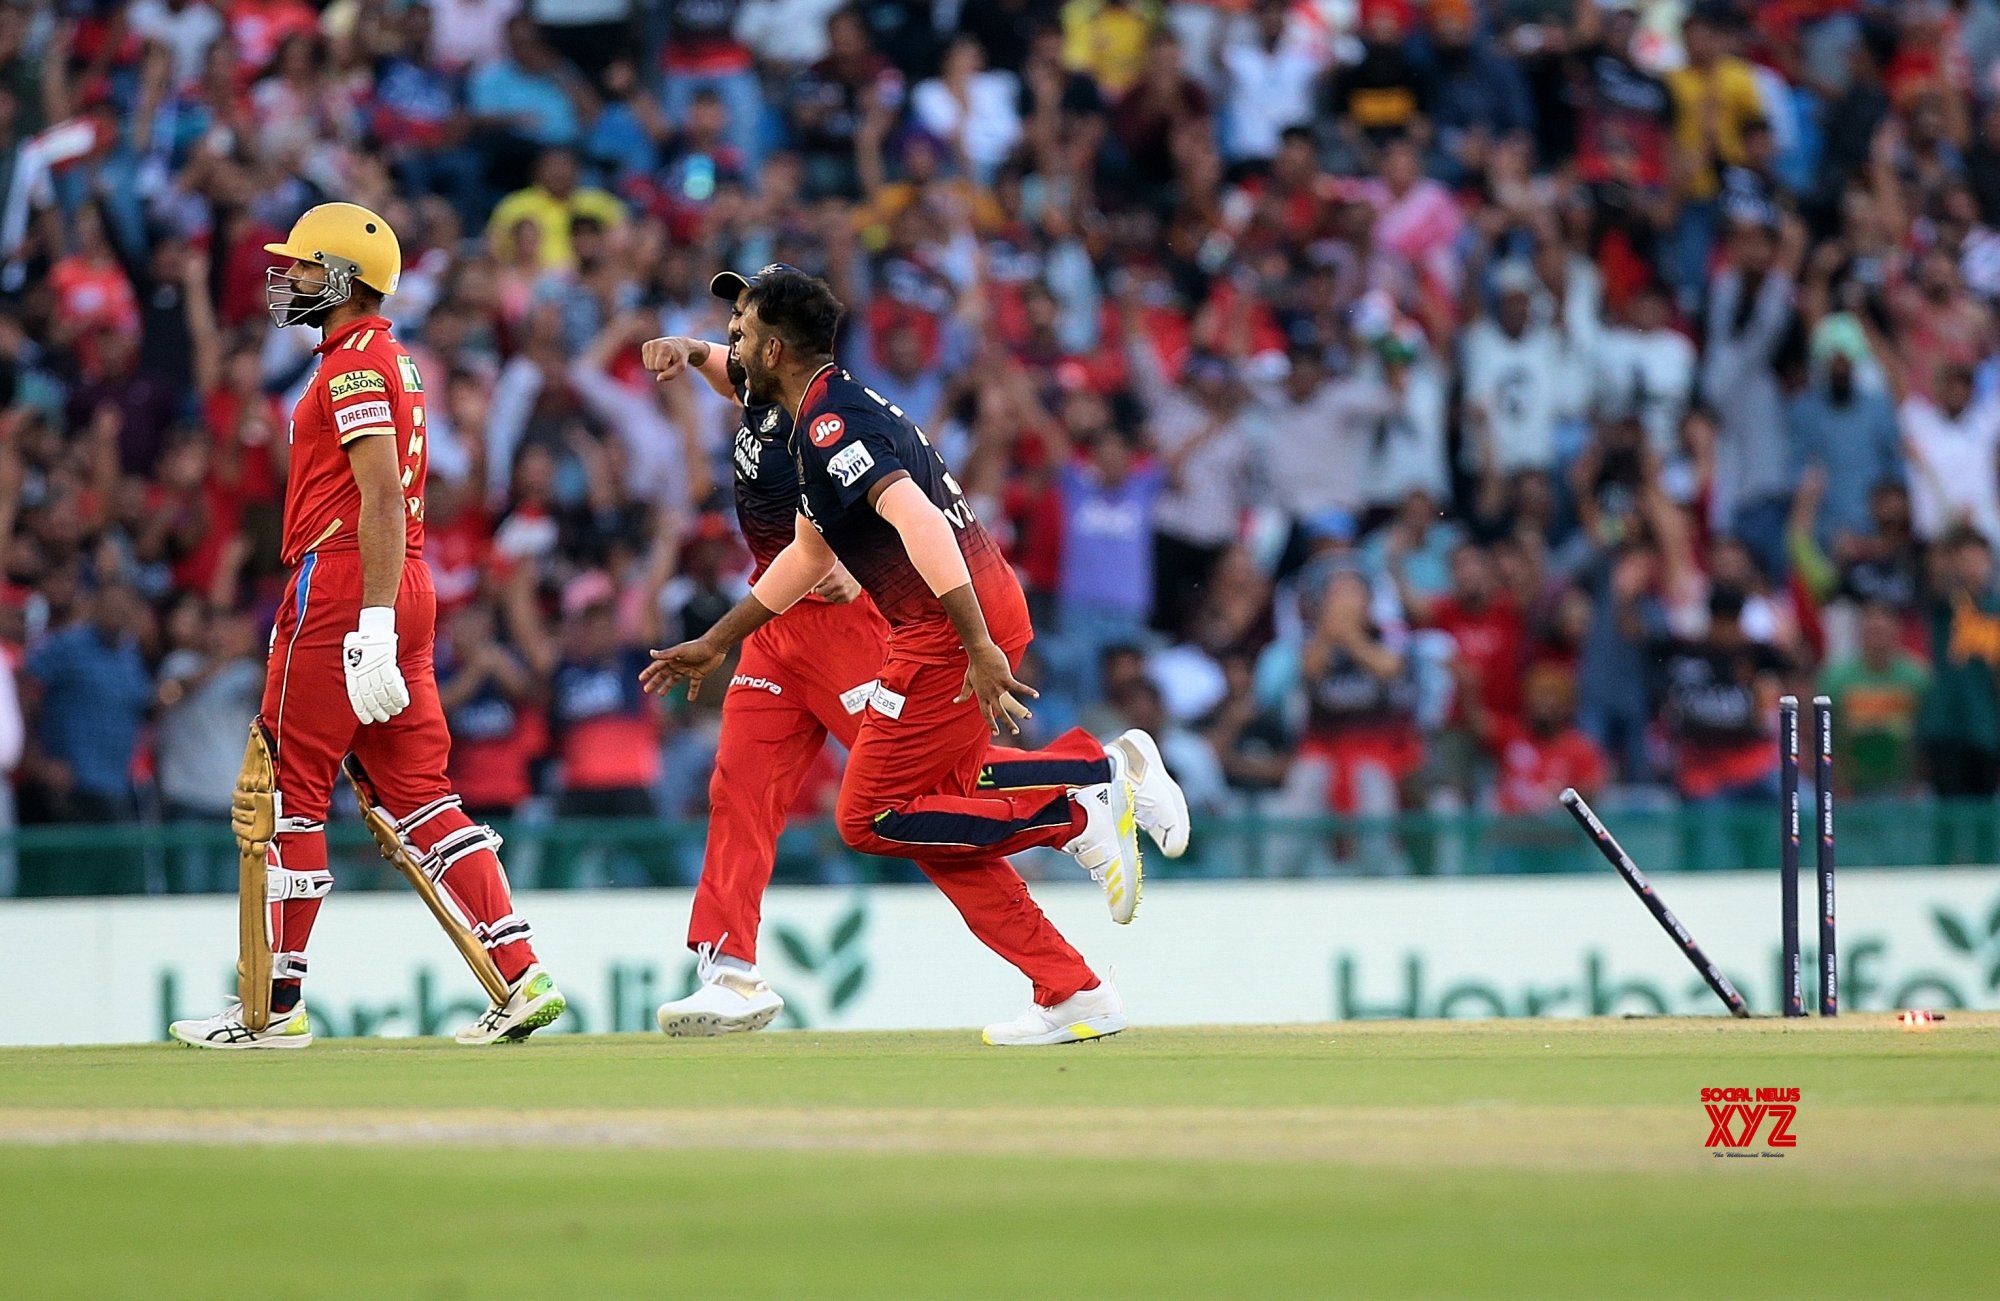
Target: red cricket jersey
(1490, 642)
(1534, 769)
(366, 386)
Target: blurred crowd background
(1395, 405)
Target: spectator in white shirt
(974, 110)
(790, 33)
(467, 34)
(1269, 66)
(654, 422)
(1949, 444)
(1407, 454)
(1204, 431)
(1514, 389)
(1319, 434)
(184, 28)
(1569, 299)
(1646, 368)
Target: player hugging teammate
(914, 677)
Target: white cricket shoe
(1091, 1014)
(729, 1000)
(1108, 848)
(1156, 797)
(533, 1001)
(225, 1029)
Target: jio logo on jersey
(826, 431)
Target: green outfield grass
(1528, 1159)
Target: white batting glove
(375, 685)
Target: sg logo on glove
(375, 686)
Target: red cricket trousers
(306, 710)
(813, 673)
(920, 785)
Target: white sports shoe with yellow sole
(1090, 1014)
(225, 1029)
(1108, 847)
(1157, 800)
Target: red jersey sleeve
(357, 398)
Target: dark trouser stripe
(938, 828)
(1027, 774)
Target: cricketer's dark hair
(799, 308)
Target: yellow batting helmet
(351, 242)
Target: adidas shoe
(1108, 848)
(1091, 1014)
(1157, 800)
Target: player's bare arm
(670, 357)
(934, 553)
(792, 573)
(375, 685)
(838, 587)
(673, 356)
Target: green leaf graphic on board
(1955, 933)
(847, 931)
(848, 986)
(797, 949)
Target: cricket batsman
(801, 678)
(875, 497)
(350, 667)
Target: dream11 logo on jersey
(1737, 1118)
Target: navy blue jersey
(848, 439)
(767, 479)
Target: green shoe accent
(546, 1015)
(301, 1024)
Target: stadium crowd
(1395, 405)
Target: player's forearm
(792, 573)
(380, 531)
(744, 618)
(961, 606)
(382, 537)
(711, 360)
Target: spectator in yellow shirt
(1715, 97)
(1108, 39)
(554, 200)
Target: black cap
(728, 285)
